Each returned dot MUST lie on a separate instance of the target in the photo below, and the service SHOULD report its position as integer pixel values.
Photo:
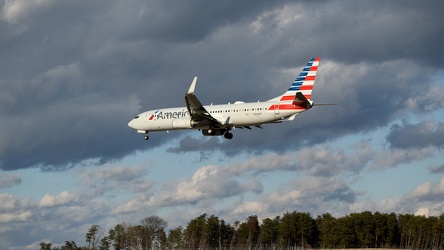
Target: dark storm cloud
(379, 79)
(375, 31)
(370, 96)
(423, 134)
(120, 55)
(54, 53)
(68, 133)
(191, 21)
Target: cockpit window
(136, 117)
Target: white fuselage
(234, 115)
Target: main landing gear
(228, 135)
(146, 137)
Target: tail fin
(303, 83)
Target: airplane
(218, 120)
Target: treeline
(291, 230)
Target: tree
(45, 246)
(152, 230)
(70, 245)
(226, 234)
(93, 236)
(211, 232)
(193, 232)
(393, 236)
(327, 231)
(269, 231)
(292, 230)
(247, 233)
(119, 237)
(175, 239)
(105, 243)
(345, 229)
(364, 229)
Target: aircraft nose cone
(131, 124)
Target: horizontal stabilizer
(325, 104)
(301, 101)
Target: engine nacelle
(213, 132)
(183, 123)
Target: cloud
(73, 73)
(119, 174)
(393, 157)
(427, 191)
(420, 135)
(21, 216)
(366, 104)
(426, 199)
(208, 182)
(314, 161)
(82, 122)
(118, 54)
(58, 200)
(436, 169)
(112, 181)
(14, 209)
(7, 181)
(249, 208)
(10, 203)
(316, 195)
(15, 10)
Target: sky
(74, 72)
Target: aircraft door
(276, 109)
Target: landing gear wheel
(146, 137)
(228, 135)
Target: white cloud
(120, 174)
(19, 216)
(388, 204)
(428, 191)
(58, 200)
(325, 161)
(265, 163)
(208, 183)
(425, 199)
(320, 160)
(13, 209)
(8, 202)
(249, 207)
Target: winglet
(193, 85)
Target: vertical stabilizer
(303, 83)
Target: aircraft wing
(196, 109)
